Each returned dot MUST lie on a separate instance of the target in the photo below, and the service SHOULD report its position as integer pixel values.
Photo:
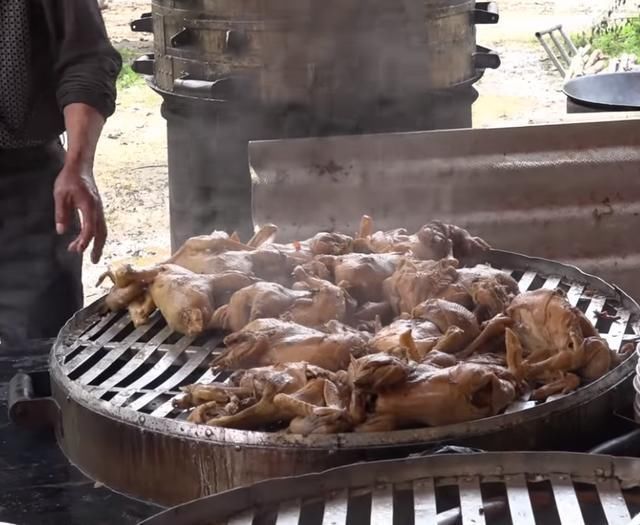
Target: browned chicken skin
(325, 301)
(449, 344)
(435, 240)
(433, 397)
(389, 338)
(553, 344)
(363, 274)
(258, 301)
(186, 300)
(416, 281)
(491, 290)
(311, 302)
(270, 341)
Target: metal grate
(138, 368)
(475, 489)
(142, 368)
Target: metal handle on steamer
(226, 88)
(144, 65)
(486, 13)
(144, 24)
(485, 58)
(26, 408)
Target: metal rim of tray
(331, 490)
(554, 272)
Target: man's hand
(75, 189)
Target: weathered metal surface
(567, 192)
(121, 428)
(468, 475)
(317, 54)
(209, 181)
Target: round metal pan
(606, 92)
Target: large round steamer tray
(519, 488)
(115, 383)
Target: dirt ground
(131, 166)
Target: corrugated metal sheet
(569, 192)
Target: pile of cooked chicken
(373, 332)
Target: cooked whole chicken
(248, 396)
(416, 281)
(389, 339)
(376, 372)
(461, 332)
(378, 331)
(553, 344)
(322, 407)
(434, 240)
(186, 300)
(491, 290)
(258, 301)
(311, 302)
(271, 341)
(325, 302)
(362, 274)
(433, 397)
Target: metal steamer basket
(472, 489)
(112, 389)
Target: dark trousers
(40, 281)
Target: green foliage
(613, 37)
(128, 77)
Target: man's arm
(86, 67)
(75, 187)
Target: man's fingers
(62, 211)
(100, 238)
(88, 228)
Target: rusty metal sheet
(567, 192)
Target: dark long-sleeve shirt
(70, 60)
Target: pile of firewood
(589, 61)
